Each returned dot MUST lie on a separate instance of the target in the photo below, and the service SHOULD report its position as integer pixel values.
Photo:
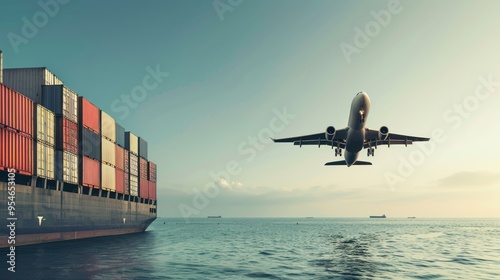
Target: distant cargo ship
(383, 216)
(70, 169)
(214, 217)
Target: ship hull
(46, 215)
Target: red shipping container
(143, 188)
(91, 172)
(119, 181)
(143, 168)
(89, 115)
(152, 172)
(152, 190)
(119, 158)
(66, 135)
(16, 110)
(16, 151)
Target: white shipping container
(108, 126)
(44, 161)
(45, 125)
(70, 168)
(70, 104)
(108, 177)
(29, 81)
(134, 186)
(132, 142)
(51, 79)
(66, 167)
(108, 151)
(134, 165)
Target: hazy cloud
(463, 179)
(232, 185)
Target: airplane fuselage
(360, 107)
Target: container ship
(378, 217)
(68, 170)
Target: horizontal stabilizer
(342, 162)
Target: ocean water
(276, 248)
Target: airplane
(355, 136)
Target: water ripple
(277, 249)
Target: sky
(207, 83)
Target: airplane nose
(365, 97)
(362, 95)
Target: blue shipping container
(120, 135)
(90, 144)
(61, 100)
(143, 148)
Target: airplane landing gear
(338, 152)
(370, 152)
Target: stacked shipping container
(90, 143)
(68, 138)
(29, 81)
(118, 158)
(147, 172)
(126, 171)
(67, 167)
(67, 132)
(64, 103)
(44, 143)
(16, 111)
(120, 135)
(143, 148)
(119, 169)
(132, 145)
(152, 181)
(121, 161)
(91, 172)
(16, 131)
(108, 152)
(143, 178)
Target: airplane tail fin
(342, 162)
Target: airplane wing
(320, 143)
(373, 143)
(371, 137)
(394, 136)
(317, 139)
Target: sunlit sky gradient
(228, 75)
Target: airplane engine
(383, 133)
(330, 133)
